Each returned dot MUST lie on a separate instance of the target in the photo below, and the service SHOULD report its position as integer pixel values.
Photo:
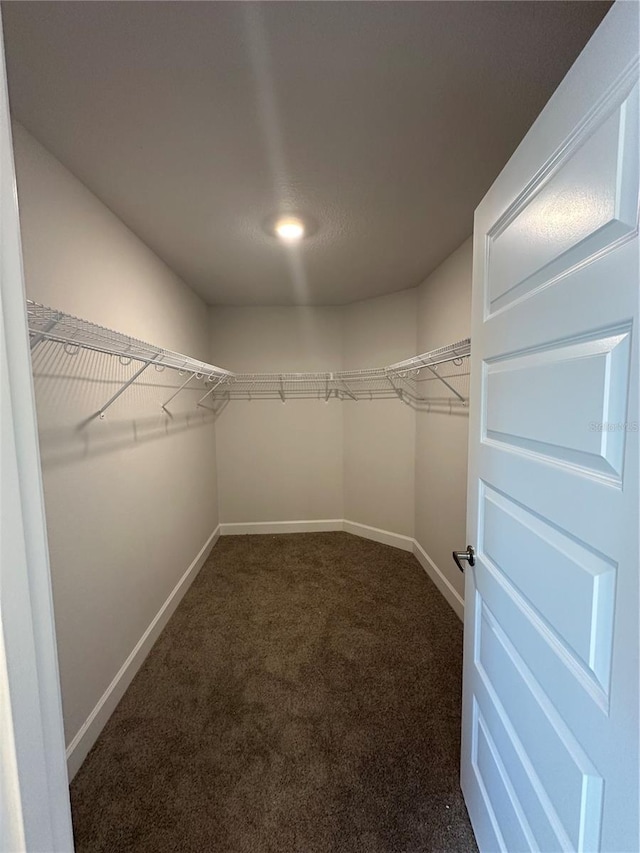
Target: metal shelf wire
(410, 380)
(51, 325)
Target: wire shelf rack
(411, 380)
(72, 332)
(407, 380)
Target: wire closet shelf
(411, 380)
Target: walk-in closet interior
(254, 449)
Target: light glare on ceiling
(290, 229)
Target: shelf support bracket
(444, 382)
(408, 395)
(129, 382)
(39, 336)
(175, 394)
(210, 391)
(348, 390)
(282, 390)
(395, 387)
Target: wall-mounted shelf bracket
(175, 394)
(444, 382)
(42, 335)
(154, 360)
(347, 390)
(209, 392)
(395, 387)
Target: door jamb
(34, 793)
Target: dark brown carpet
(304, 698)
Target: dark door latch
(468, 555)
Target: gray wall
(131, 499)
(307, 459)
(279, 462)
(379, 436)
(444, 316)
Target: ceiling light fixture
(290, 229)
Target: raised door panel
(567, 402)
(538, 557)
(586, 200)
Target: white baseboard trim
(323, 525)
(242, 528)
(88, 734)
(396, 540)
(386, 537)
(452, 596)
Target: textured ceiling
(385, 122)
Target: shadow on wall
(72, 385)
(444, 406)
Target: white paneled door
(550, 729)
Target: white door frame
(34, 794)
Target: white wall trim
(89, 731)
(386, 537)
(452, 596)
(95, 722)
(242, 528)
(323, 525)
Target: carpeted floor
(304, 698)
